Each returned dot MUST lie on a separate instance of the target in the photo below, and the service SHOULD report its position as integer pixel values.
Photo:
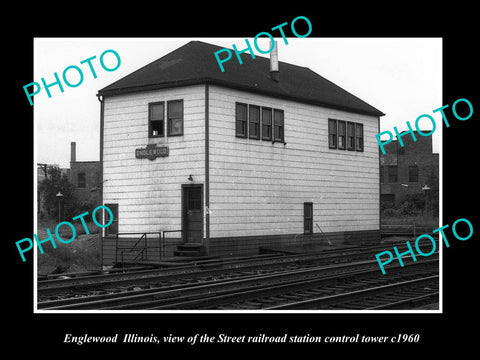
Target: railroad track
(251, 289)
(342, 290)
(98, 284)
(400, 295)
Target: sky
(402, 77)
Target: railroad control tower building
(232, 161)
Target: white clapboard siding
(258, 188)
(148, 193)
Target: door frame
(184, 210)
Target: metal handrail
(163, 240)
(144, 235)
(319, 228)
(412, 226)
(143, 251)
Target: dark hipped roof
(195, 63)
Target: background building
(85, 176)
(409, 170)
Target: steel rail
(414, 301)
(325, 301)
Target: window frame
(390, 174)
(114, 208)
(169, 118)
(414, 174)
(308, 220)
(81, 184)
(243, 134)
(351, 136)
(256, 125)
(281, 127)
(332, 134)
(150, 120)
(343, 145)
(359, 143)
(269, 126)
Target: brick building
(409, 170)
(85, 175)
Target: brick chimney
(274, 70)
(73, 151)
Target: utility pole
(44, 166)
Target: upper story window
(81, 180)
(413, 173)
(266, 123)
(392, 173)
(175, 118)
(254, 118)
(278, 125)
(341, 134)
(257, 122)
(359, 137)
(332, 133)
(350, 136)
(156, 119)
(241, 120)
(345, 135)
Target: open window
(156, 119)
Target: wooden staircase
(190, 250)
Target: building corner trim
(207, 173)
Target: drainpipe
(101, 173)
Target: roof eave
(213, 81)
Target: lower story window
(113, 228)
(308, 218)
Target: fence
(405, 229)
